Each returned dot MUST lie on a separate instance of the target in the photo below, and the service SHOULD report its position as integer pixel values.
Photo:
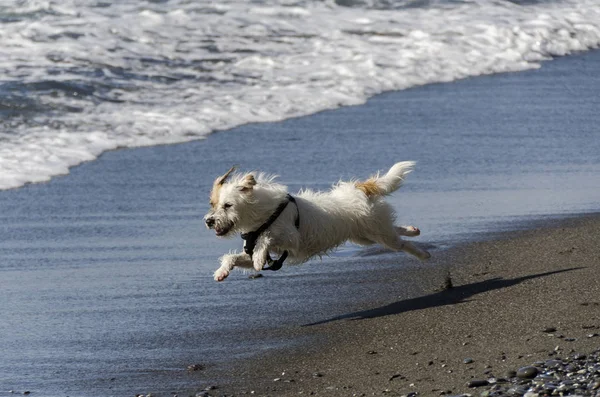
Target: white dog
(305, 225)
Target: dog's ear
(214, 194)
(221, 180)
(247, 184)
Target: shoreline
(252, 124)
(494, 318)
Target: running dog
(308, 224)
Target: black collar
(251, 237)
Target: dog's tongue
(218, 231)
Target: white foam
(180, 70)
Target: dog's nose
(210, 222)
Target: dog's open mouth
(221, 231)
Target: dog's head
(230, 199)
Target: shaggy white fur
(354, 211)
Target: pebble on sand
(478, 383)
(528, 372)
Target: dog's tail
(381, 185)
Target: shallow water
(105, 278)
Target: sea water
(78, 78)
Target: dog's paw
(424, 255)
(408, 231)
(414, 231)
(258, 266)
(221, 274)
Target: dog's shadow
(451, 296)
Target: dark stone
(478, 383)
(553, 364)
(571, 368)
(528, 372)
(195, 367)
(255, 276)
(549, 330)
(511, 374)
(468, 361)
(548, 388)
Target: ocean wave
(81, 78)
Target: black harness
(251, 237)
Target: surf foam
(78, 80)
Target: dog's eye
(227, 205)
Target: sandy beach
(507, 296)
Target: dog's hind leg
(408, 231)
(412, 249)
(229, 261)
(392, 241)
(362, 240)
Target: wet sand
(505, 294)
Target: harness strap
(297, 220)
(275, 264)
(251, 237)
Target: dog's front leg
(229, 261)
(261, 252)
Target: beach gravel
(575, 374)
